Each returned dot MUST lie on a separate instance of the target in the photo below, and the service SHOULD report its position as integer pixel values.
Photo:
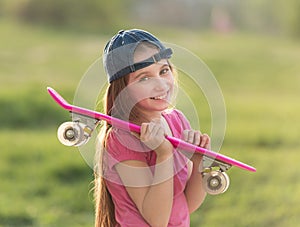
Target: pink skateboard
(78, 132)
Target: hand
(196, 138)
(152, 134)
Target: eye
(144, 78)
(164, 71)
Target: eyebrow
(140, 74)
(146, 72)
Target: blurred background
(251, 46)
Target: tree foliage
(275, 16)
(92, 15)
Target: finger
(158, 135)
(144, 128)
(161, 132)
(197, 138)
(205, 141)
(188, 136)
(135, 134)
(151, 126)
(185, 134)
(143, 131)
(191, 136)
(157, 130)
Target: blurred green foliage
(28, 110)
(42, 183)
(275, 17)
(78, 15)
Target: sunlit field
(44, 183)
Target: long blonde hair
(104, 206)
(118, 106)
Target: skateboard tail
(86, 112)
(60, 100)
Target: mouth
(160, 97)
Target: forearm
(194, 191)
(158, 201)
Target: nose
(161, 84)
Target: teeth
(160, 97)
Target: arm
(194, 191)
(153, 194)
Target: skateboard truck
(77, 132)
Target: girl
(141, 179)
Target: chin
(150, 105)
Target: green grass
(43, 183)
(265, 198)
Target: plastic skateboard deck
(221, 159)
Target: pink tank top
(121, 146)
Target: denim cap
(119, 51)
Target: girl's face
(151, 87)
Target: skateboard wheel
(215, 182)
(83, 139)
(73, 134)
(70, 133)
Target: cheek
(173, 90)
(171, 82)
(138, 92)
(170, 78)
